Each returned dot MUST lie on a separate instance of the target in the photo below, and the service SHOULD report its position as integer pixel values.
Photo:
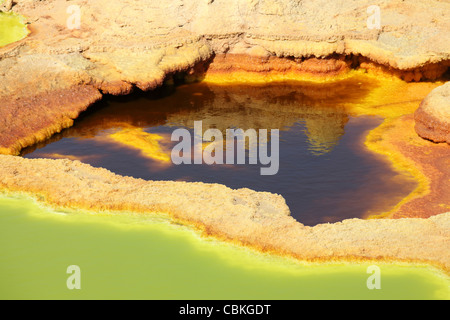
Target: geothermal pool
(326, 173)
(147, 257)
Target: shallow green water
(131, 257)
(12, 28)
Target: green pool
(148, 257)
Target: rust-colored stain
(24, 122)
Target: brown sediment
(433, 115)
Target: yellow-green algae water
(147, 257)
(12, 28)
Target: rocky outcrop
(433, 116)
(271, 66)
(6, 5)
(125, 44)
(256, 219)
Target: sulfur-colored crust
(52, 75)
(246, 68)
(427, 162)
(433, 116)
(255, 219)
(125, 44)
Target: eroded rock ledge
(47, 79)
(243, 216)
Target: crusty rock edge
(72, 58)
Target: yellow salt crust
(41, 135)
(243, 77)
(147, 143)
(376, 141)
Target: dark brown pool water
(325, 172)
